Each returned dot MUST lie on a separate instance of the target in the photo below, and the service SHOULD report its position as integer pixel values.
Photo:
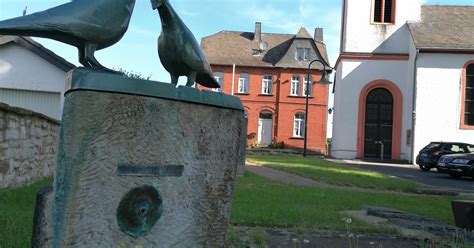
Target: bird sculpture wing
(197, 62)
(71, 23)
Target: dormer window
(302, 54)
(383, 11)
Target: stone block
(173, 152)
(12, 134)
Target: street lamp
(323, 80)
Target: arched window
(383, 11)
(219, 76)
(267, 83)
(243, 83)
(295, 86)
(468, 101)
(298, 126)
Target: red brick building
(268, 72)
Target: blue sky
(137, 50)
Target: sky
(137, 51)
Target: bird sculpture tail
(29, 25)
(207, 81)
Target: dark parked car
(457, 165)
(429, 155)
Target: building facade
(31, 76)
(268, 72)
(403, 78)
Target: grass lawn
(16, 214)
(333, 173)
(262, 202)
(257, 201)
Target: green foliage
(132, 74)
(16, 218)
(258, 236)
(333, 173)
(261, 202)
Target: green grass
(333, 173)
(262, 202)
(16, 214)
(257, 202)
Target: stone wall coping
(27, 112)
(87, 79)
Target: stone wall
(28, 143)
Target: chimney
(318, 35)
(258, 32)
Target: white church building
(404, 78)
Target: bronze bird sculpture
(179, 51)
(89, 25)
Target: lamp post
(323, 80)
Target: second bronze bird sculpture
(179, 51)
(89, 25)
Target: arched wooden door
(378, 124)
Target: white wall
(438, 103)
(23, 70)
(363, 37)
(352, 76)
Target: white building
(405, 77)
(31, 76)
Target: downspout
(233, 78)
(413, 107)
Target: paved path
(431, 179)
(281, 176)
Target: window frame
(219, 76)
(298, 124)
(243, 85)
(295, 90)
(464, 89)
(382, 14)
(267, 84)
(305, 78)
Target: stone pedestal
(143, 163)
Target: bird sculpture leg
(90, 58)
(191, 78)
(174, 79)
(82, 58)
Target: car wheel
(455, 175)
(424, 167)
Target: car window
(456, 148)
(469, 148)
(432, 145)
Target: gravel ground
(273, 237)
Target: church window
(468, 108)
(383, 11)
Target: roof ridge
(230, 31)
(447, 5)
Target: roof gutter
(446, 50)
(413, 106)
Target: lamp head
(324, 78)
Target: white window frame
(310, 85)
(299, 53)
(298, 125)
(267, 84)
(243, 87)
(219, 76)
(306, 52)
(295, 86)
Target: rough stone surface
(421, 223)
(28, 143)
(42, 236)
(101, 131)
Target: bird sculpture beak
(154, 4)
